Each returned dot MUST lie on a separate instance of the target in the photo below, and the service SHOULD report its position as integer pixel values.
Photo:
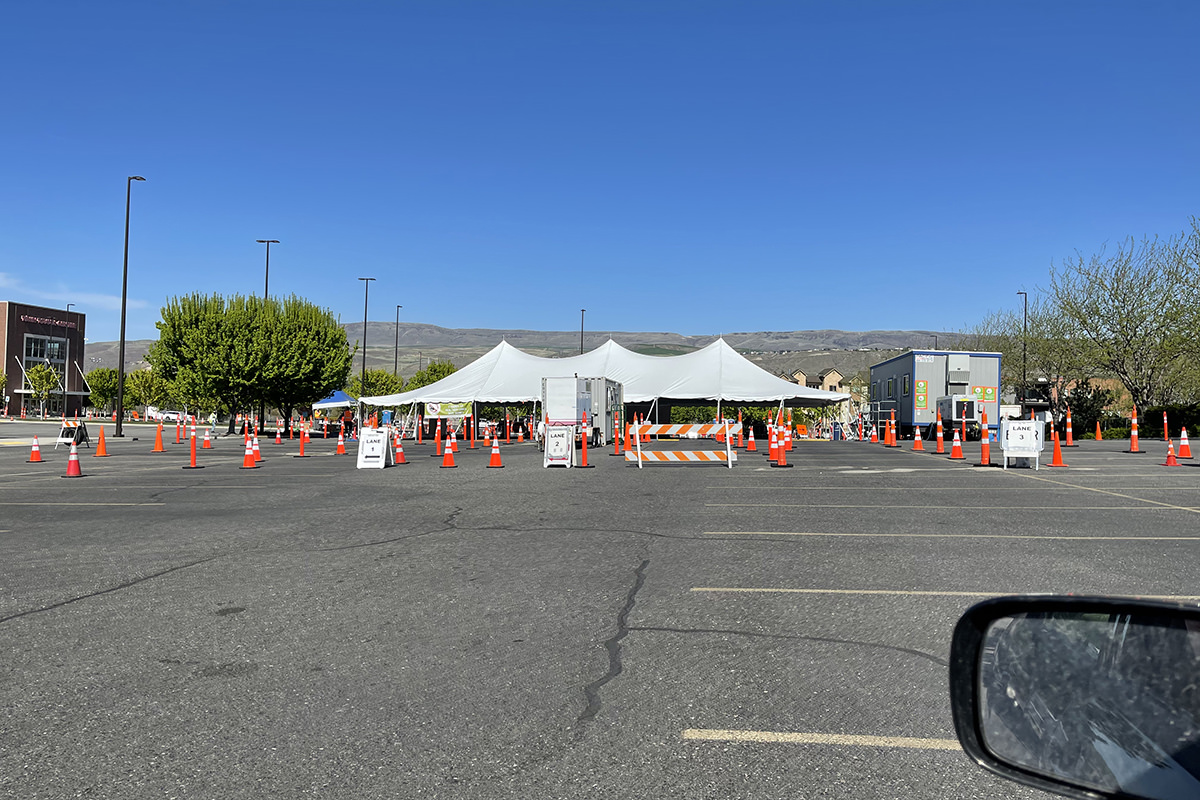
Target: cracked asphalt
(307, 629)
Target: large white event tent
(717, 372)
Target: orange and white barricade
(727, 456)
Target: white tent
(717, 372)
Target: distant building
(31, 335)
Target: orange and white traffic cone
(1185, 449)
(741, 436)
(278, 435)
(941, 438)
(956, 453)
(35, 454)
(192, 461)
(520, 435)
(448, 454)
(453, 441)
(773, 447)
(1070, 433)
(918, 445)
(73, 470)
(874, 435)
(487, 435)
(1166, 430)
(495, 462)
(781, 458)
(158, 442)
(400, 459)
(787, 438)
(985, 444)
(751, 446)
(1057, 460)
(341, 448)
(1171, 462)
(102, 450)
(257, 452)
(207, 445)
(1133, 434)
(248, 461)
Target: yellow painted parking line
(1112, 494)
(960, 536)
(934, 506)
(908, 593)
(839, 739)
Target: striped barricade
(640, 432)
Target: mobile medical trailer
(912, 384)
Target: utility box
(915, 383)
(564, 401)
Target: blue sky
(697, 167)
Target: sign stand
(373, 450)
(1022, 438)
(73, 432)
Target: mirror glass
(1109, 702)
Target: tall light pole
(1024, 341)
(581, 313)
(124, 294)
(362, 386)
(396, 359)
(262, 404)
(267, 271)
(66, 361)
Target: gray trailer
(914, 383)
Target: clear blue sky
(748, 165)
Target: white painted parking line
(839, 739)
(960, 536)
(934, 507)
(86, 505)
(908, 593)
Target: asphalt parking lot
(307, 629)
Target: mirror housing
(1088, 697)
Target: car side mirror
(1088, 697)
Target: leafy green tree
(103, 382)
(1087, 404)
(308, 356)
(434, 371)
(1140, 309)
(379, 381)
(149, 387)
(43, 381)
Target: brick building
(31, 335)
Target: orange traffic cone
(874, 435)
(248, 461)
(741, 436)
(254, 444)
(985, 444)
(956, 453)
(278, 435)
(207, 445)
(341, 448)
(192, 461)
(35, 454)
(751, 447)
(1070, 432)
(1171, 462)
(918, 445)
(73, 470)
(773, 447)
(787, 438)
(1057, 460)
(520, 435)
(448, 454)
(453, 441)
(400, 459)
(158, 442)
(941, 439)
(781, 458)
(303, 439)
(1099, 435)
(1185, 449)
(495, 462)
(102, 450)
(487, 435)
(1133, 434)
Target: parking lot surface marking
(1156, 507)
(1113, 494)
(906, 592)
(845, 740)
(960, 536)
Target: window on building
(55, 349)
(904, 386)
(891, 387)
(35, 347)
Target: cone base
(198, 466)
(39, 461)
(448, 466)
(245, 467)
(1056, 465)
(1068, 445)
(584, 466)
(781, 466)
(303, 456)
(495, 466)
(1138, 452)
(80, 476)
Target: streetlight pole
(362, 386)
(262, 404)
(581, 313)
(396, 358)
(1024, 346)
(66, 361)
(124, 295)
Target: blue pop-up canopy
(338, 399)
